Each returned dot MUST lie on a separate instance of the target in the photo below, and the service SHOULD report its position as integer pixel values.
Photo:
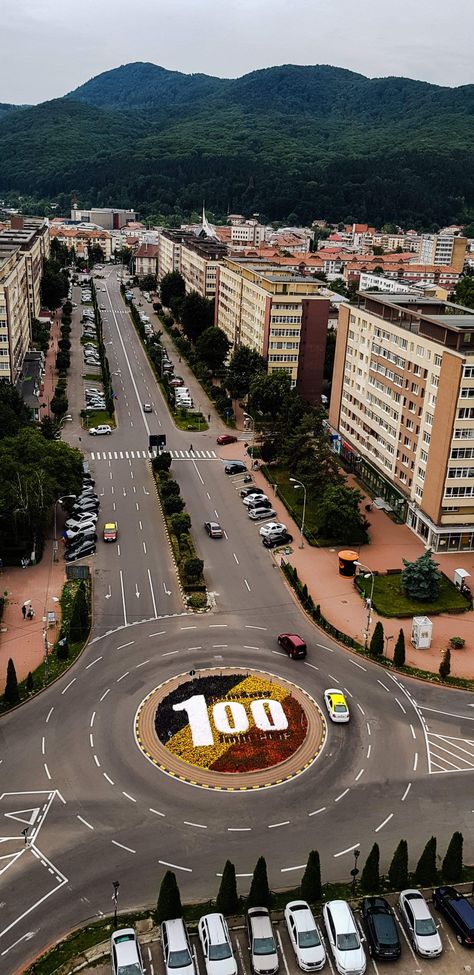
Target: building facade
(280, 314)
(446, 249)
(31, 235)
(402, 410)
(196, 257)
(145, 260)
(109, 218)
(15, 327)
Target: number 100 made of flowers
(230, 717)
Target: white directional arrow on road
(136, 591)
(27, 816)
(109, 593)
(167, 591)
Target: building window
(437, 360)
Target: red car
(226, 438)
(293, 644)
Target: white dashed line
(43, 740)
(276, 825)
(96, 661)
(342, 795)
(239, 829)
(246, 583)
(406, 792)
(197, 825)
(250, 648)
(349, 850)
(248, 626)
(369, 751)
(122, 677)
(127, 796)
(368, 729)
(300, 866)
(169, 653)
(47, 771)
(383, 685)
(71, 682)
(92, 720)
(104, 695)
(49, 714)
(235, 557)
(361, 708)
(413, 732)
(324, 647)
(400, 705)
(359, 775)
(317, 811)
(91, 740)
(123, 645)
(175, 866)
(108, 778)
(155, 811)
(122, 847)
(96, 760)
(85, 822)
(387, 820)
(415, 762)
(160, 633)
(355, 664)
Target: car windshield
(219, 952)
(264, 946)
(309, 939)
(347, 942)
(133, 969)
(425, 927)
(179, 959)
(340, 707)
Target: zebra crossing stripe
(115, 455)
(121, 455)
(132, 455)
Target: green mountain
(291, 142)
(5, 108)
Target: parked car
(213, 529)
(126, 958)
(344, 938)
(384, 943)
(261, 940)
(257, 514)
(226, 438)
(273, 541)
(103, 430)
(258, 502)
(245, 492)
(237, 467)
(458, 911)
(305, 936)
(177, 954)
(80, 551)
(294, 646)
(86, 534)
(273, 528)
(252, 497)
(216, 945)
(81, 519)
(78, 531)
(421, 928)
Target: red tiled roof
(147, 250)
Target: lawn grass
(98, 416)
(390, 600)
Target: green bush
(311, 889)
(173, 505)
(398, 869)
(259, 895)
(197, 600)
(227, 900)
(169, 899)
(193, 568)
(452, 867)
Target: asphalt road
(71, 771)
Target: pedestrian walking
(208, 417)
(23, 610)
(30, 613)
(191, 449)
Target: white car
(421, 927)
(259, 514)
(80, 520)
(216, 945)
(344, 938)
(103, 430)
(336, 705)
(253, 497)
(273, 528)
(177, 954)
(126, 958)
(305, 936)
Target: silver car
(419, 922)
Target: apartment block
(109, 218)
(31, 235)
(14, 311)
(446, 249)
(145, 260)
(279, 313)
(80, 239)
(196, 257)
(402, 410)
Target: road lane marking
(123, 601)
(92, 719)
(250, 648)
(91, 739)
(122, 677)
(152, 591)
(85, 822)
(368, 728)
(159, 633)
(235, 557)
(415, 762)
(175, 866)
(198, 472)
(369, 751)
(406, 792)
(96, 661)
(324, 647)
(383, 685)
(400, 705)
(355, 664)
(349, 850)
(248, 626)
(47, 771)
(276, 825)
(96, 760)
(387, 820)
(248, 587)
(240, 829)
(123, 645)
(108, 778)
(197, 825)
(361, 708)
(155, 811)
(128, 796)
(169, 653)
(359, 775)
(49, 714)
(104, 695)
(317, 811)
(71, 682)
(122, 847)
(342, 795)
(413, 732)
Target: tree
(421, 580)
(445, 665)
(339, 516)
(269, 395)
(311, 889)
(172, 286)
(63, 360)
(48, 428)
(29, 682)
(197, 314)
(464, 291)
(14, 413)
(181, 524)
(244, 366)
(370, 876)
(452, 868)
(399, 651)
(259, 895)
(169, 899)
(162, 462)
(11, 694)
(377, 641)
(212, 347)
(173, 505)
(148, 282)
(59, 403)
(398, 869)
(227, 901)
(54, 285)
(426, 872)
(79, 624)
(193, 568)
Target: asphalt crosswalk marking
(145, 455)
(449, 754)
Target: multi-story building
(14, 311)
(81, 239)
(31, 235)
(446, 249)
(195, 257)
(145, 260)
(109, 218)
(402, 409)
(279, 313)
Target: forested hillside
(290, 142)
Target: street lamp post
(368, 601)
(65, 497)
(252, 443)
(354, 872)
(296, 485)
(116, 885)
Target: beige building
(14, 311)
(81, 239)
(195, 257)
(446, 249)
(402, 410)
(145, 260)
(169, 252)
(279, 313)
(31, 235)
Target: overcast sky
(49, 47)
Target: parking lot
(455, 958)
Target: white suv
(216, 945)
(421, 927)
(176, 948)
(125, 953)
(344, 938)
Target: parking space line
(287, 970)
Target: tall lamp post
(296, 485)
(116, 885)
(252, 443)
(355, 872)
(368, 601)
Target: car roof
(110, 524)
(303, 915)
(417, 903)
(342, 914)
(175, 930)
(297, 640)
(336, 695)
(261, 922)
(215, 926)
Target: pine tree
(370, 876)
(311, 889)
(377, 642)
(169, 899)
(11, 695)
(421, 579)
(445, 665)
(398, 869)
(259, 895)
(452, 867)
(29, 682)
(426, 872)
(227, 901)
(399, 652)
(79, 624)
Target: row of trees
(398, 877)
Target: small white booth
(421, 632)
(460, 576)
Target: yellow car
(336, 705)
(110, 531)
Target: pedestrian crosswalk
(449, 754)
(146, 455)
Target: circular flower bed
(231, 723)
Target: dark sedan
(273, 541)
(384, 943)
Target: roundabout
(230, 730)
